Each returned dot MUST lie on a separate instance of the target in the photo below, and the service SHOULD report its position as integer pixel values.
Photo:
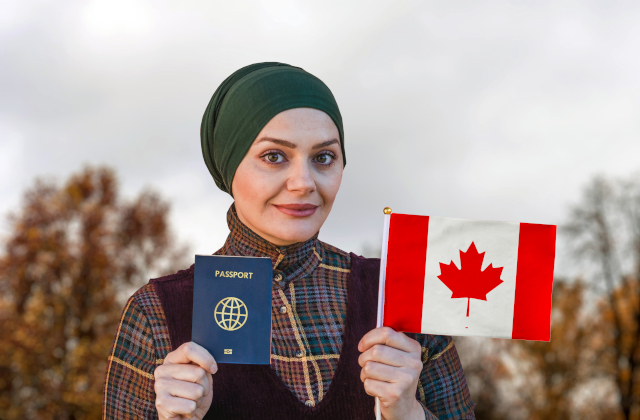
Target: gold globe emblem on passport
(231, 314)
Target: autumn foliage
(72, 253)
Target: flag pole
(383, 269)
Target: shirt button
(299, 353)
(309, 403)
(283, 309)
(278, 277)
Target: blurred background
(495, 110)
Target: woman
(272, 137)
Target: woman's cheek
(328, 187)
(258, 185)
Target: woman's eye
(274, 157)
(324, 158)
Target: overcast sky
(500, 110)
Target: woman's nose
(301, 178)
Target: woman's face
(285, 186)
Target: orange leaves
(71, 251)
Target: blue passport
(232, 308)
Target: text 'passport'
(232, 308)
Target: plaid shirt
(308, 313)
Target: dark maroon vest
(247, 392)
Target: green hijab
(246, 101)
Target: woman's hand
(391, 365)
(183, 383)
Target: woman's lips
(297, 210)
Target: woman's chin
(291, 233)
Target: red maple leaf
(470, 281)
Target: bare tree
(604, 230)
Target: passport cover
(232, 308)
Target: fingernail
(360, 346)
(214, 368)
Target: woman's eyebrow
(278, 141)
(325, 144)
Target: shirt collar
(289, 262)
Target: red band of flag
(404, 283)
(532, 306)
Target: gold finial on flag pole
(387, 210)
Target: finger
(173, 407)
(379, 372)
(209, 386)
(390, 356)
(389, 337)
(193, 353)
(181, 389)
(383, 390)
(183, 372)
(386, 373)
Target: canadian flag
(466, 277)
